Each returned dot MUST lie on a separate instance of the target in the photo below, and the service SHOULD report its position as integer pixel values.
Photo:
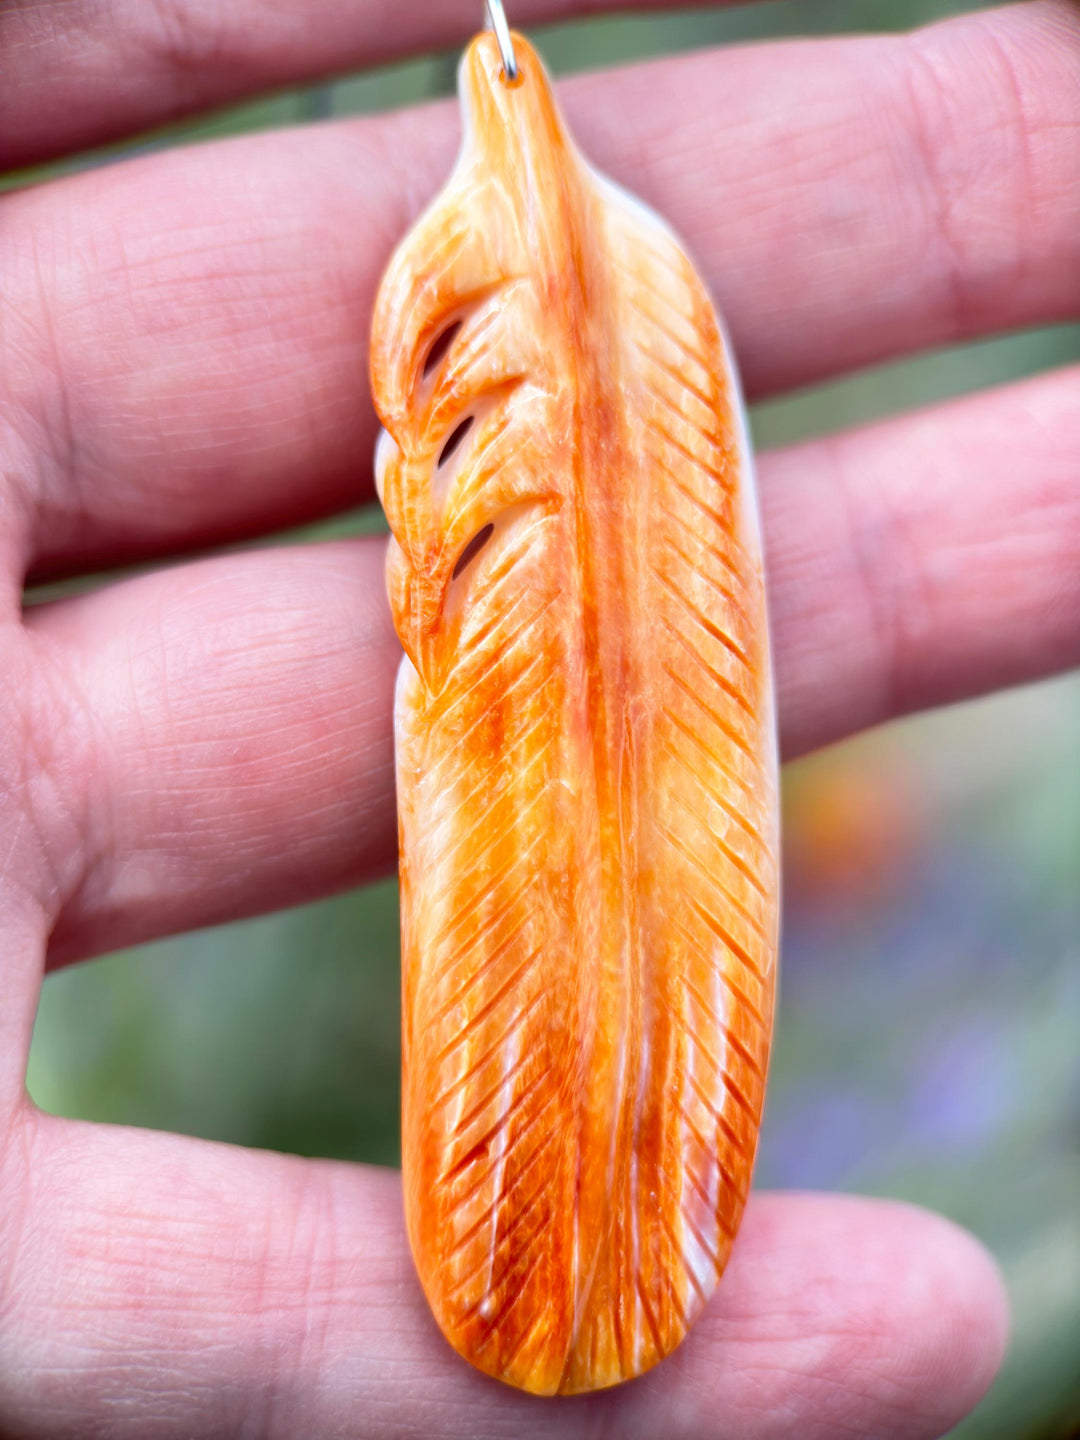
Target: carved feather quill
(586, 756)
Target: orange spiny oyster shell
(586, 756)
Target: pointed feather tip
(496, 115)
(489, 98)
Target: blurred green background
(927, 1044)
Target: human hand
(182, 363)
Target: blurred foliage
(927, 1040)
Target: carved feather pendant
(586, 756)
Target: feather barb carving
(585, 751)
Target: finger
(927, 559)
(183, 340)
(167, 1287)
(242, 754)
(242, 706)
(81, 72)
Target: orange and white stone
(586, 756)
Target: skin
(182, 362)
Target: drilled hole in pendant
(455, 439)
(440, 346)
(472, 550)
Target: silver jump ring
(497, 17)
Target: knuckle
(188, 39)
(984, 99)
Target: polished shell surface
(586, 756)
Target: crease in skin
(586, 757)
